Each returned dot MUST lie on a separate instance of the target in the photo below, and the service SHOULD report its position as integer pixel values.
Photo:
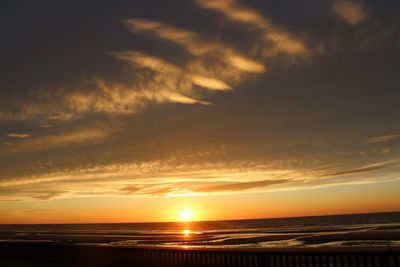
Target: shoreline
(209, 240)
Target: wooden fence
(96, 255)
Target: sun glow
(186, 215)
(186, 233)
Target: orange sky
(323, 201)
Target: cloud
(36, 210)
(72, 137)
(276, 39)
(201, 187)
(240, 186)
(24, 193)
(364, 169)
(246, 64)
(115, 98)
(19, 135)
(119, 98)
(46, 126)
(213, 66)
(383, 138)
(212, 63)
(191, 41)
(210, 83)
(196, 44)
(350, 11)
(131, 189)
(146, 61)
(143, 179)
(170, 178)
(7, 143)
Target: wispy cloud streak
(19, 135)
(72, 137)
(167, 178)
(363, 169)
(282, 41)
(196, 44)
(383, 138)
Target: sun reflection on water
(186, 232)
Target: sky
(129, 111)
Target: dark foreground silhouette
(66, 255)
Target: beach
(362, 230)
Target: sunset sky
(131, 111)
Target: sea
(377, 229)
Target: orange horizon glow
(328, 201)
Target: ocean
(378, 229)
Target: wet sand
(354, 236)
(206, 240)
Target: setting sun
(186, 215)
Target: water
(379, 229)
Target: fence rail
(95, 255)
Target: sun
(186, 215)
